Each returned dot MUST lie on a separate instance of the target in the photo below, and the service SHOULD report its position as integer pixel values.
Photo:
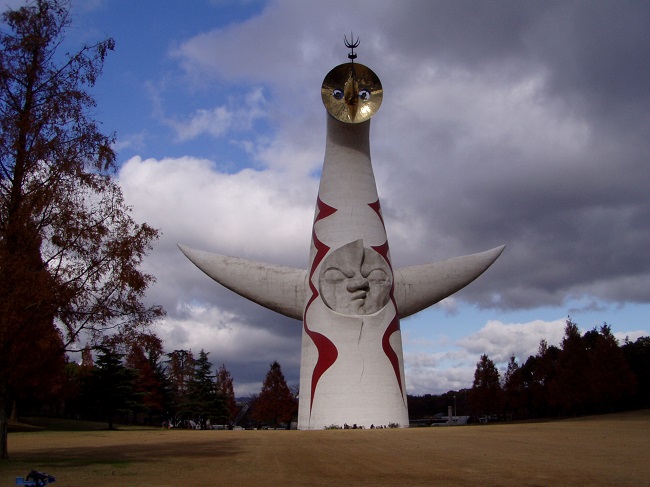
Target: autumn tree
(143, 359)
(224, 386)
(275, 403)
(69, 248)
(178, 371)
(485, 395)
(610, 378)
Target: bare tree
(69, 249)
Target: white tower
(350, 298)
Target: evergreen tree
(203, 401)
(637, 355)
(178, 371)
(485, 396)
(275, 403)
(544, 376)
(111, 384)
(513, 389)
(570, 389)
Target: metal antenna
(351, 44)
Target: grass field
(604, 450)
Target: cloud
(193, 203)
(229, 340)
(491, 131)
(453, 368)
(509, 122)
(218, 121)
(500, 340)
(250, 213)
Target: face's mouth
(358, 296)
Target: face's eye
(338, 94)
(364, 95)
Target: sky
(522, 123)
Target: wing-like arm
(281, 289)
(418, 287)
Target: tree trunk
(4, 452)
(13, 417)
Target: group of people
(346, 426)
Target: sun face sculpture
(355, 280)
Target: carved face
(352, 93)
(355, 280)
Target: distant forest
(588, 373)
(138, 383)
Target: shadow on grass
(56, 424)
(125, 455)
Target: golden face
(352, 93)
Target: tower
(350, 299)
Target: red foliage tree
(69, 249)
(224, 386)
(276, 403)
(147, 388)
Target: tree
(513, 388)
(69, 248)
(485, 395)
(224, 386)
(178, 372)
(570, 388)
(637, 355)
(611, 381)
(275, 404)
(111, 384)
(203, 401)
(544, 374)
(148, 394)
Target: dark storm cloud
(574, 218)
(539, 139)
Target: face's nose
(358, 284)
(351, 96)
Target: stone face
(355, 280)
(350, 299)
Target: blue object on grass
(35, 479)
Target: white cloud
(250, 213)
(501, 340)
(197, 326)
(238, 115)
(453, 369)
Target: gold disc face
(352, 93)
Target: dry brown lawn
(604, 450)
